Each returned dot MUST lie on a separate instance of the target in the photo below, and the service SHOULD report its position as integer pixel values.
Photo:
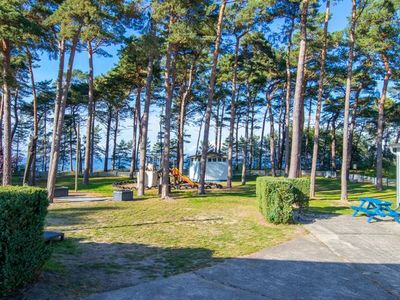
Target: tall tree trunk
(59, 92)
(251, 136)
(379, 133)
(353, 125)
(233, 114)
(343, 192)
(89, 123)
(92, 138)
(262, 139)
(57, 133)
(319, 102)
(116, 127)
(168, 84)
(44, 169)
(288, 90)
(145, 123)
(136, 116)
(16, 113)
(221, 126)
(278, 144)
(333, 145)
(182, 118)
(199, 136)
(108, 133)
(217, 125)
(71, 148)
(298, 98)
(237, 144)
(246, 137)
(211, 88)
(6, 78)
(33, 146)
(271, 134)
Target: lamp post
(395, 149)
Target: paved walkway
(341, 258)
(81, 197)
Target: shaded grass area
(100, 185)
(328, 196)
(110, 245)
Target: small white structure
(150, 177)
(395, 149)
(216, 167)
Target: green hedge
(22, 248)
(278, 196)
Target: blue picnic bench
(373, 207)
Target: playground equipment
(182, 181)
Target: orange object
(178, 175)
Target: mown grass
(115, 244)
(328, 196)
(100, 185)
(153, 238)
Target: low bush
(22, 248)
(277, 197)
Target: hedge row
(22, 248)
(277, 197)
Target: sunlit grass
(328, 195)
(152, 237)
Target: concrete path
(81, 197)
(341, 258)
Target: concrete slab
(342, 257)
(80, 198)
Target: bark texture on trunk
(115, 143)
(288, 90)
(233, 115)
(33, 145)
(298, 97)
(168, 85)
(136, 117)
(89, 123)
(6, 78)
(271, 134)
(381, 117)
(333, 145)
(145, 125)
(262, 139)
(58, 125)
(182, 118)
(319, 102)
(343, 192)
(211, 88)
(353, 125)
(246, 137)
(108, 133)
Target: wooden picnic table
(373, 207)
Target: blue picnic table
(373, 207)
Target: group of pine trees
(222, 69)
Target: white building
(216, 167)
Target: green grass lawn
(115, 244)
(100, 185)
(328, 196)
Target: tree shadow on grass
(104, 267)
(78, 268)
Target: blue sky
(47, 69)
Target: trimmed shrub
(277, 197)
(22, 247)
